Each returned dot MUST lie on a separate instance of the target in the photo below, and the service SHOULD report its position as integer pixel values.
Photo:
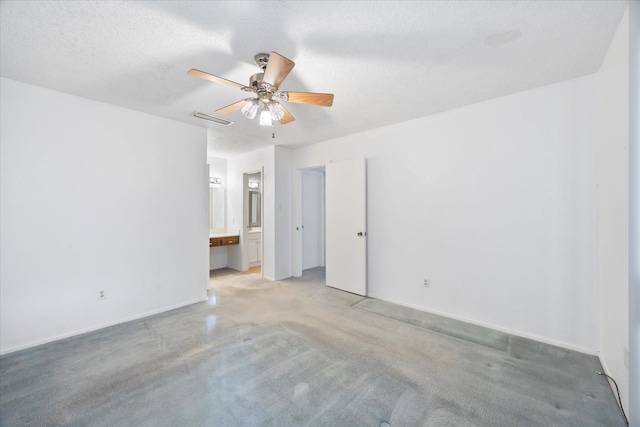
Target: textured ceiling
(386, 62)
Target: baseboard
(494, 327)
(98, 327)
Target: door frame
(297, 220)
(296, 255)
(245, 219)
(319, 172)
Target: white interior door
(346, 225)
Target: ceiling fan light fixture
(250, 109)
(276, 112)
(265, 118)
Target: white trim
(98, 327)
(634, 213)
(590, 352)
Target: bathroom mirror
(216, 208)
(254, 209)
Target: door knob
(360, 233)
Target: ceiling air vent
(216, 120)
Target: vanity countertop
(223, 233)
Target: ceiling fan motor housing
(255, 80)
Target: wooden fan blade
(287, 116)
(232, 107)
(321, 99)
(278, 69)
(216, 79)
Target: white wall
(283, 211)
(95, 197)
(218, 168)
(236, 168)
(495, 203)
(276, 212)
(218, 255)
(612, 153)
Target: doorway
(343, 240)
(253, 220)
(313, 218)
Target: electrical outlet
(102, 294)
(427, 283)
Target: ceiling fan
(266, 85)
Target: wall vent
(216, 120)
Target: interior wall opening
(313, 218)
(253, 220)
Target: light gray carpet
(298, 353)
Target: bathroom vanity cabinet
(254, 248)
(223, 241)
